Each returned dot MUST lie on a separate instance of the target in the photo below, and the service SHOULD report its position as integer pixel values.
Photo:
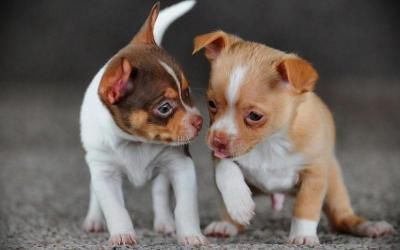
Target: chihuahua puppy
(269, 132)
(137, 117)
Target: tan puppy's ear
(115, 83)
(145, 34)
(213, 43)
(299, 73)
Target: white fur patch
(235, 82)
(301, 227)
(271, 165)
(227, 121)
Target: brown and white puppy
(269, 131)
(136, 112)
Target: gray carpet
(44, 180)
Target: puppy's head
(253, 91)
(147, 93)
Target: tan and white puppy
(270, 132)
(136, 119)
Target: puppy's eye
(165, 109)
(254, 118)
(212, 106)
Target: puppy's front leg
(107, 185)
(226, 227)
(307, 207)
(183, 180)
(235, 192)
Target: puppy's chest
(272, 166)
(138, 161)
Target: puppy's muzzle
(220, 145)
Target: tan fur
(174, 130)
(171, 93)
(279, 85)
(138, 118)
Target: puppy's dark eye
(165, 109)
(254, 118)
(212, 106)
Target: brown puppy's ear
(213, 43)
(145, 34)
(116, 82)
(299, 73)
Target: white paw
(192, 240)
(123, 239)
(373, 229)
(303, 232)
(240, 207)
(304, 240)
(221, 229)
(164, 226)
(93, 225)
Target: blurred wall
(48, 41)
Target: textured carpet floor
(44, 179)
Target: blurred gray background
(50, 50)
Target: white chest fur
(272, 165)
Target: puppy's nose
(220, 141)
(197, 122)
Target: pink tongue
(220, 155)
(277, 200)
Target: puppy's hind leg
(163, 219)
(340, 213)
(94, 221)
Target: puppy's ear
(116, 82)
(145, 34)
(298, 72)
(213, 43)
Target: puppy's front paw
(240, 207)
(304, 240)
(93, 225)
(123, 239)
(303, 232)
(373, 229)
(192, 240)
(221, 229)
(164, 226)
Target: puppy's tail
(168, 16)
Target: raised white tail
(168, 16)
